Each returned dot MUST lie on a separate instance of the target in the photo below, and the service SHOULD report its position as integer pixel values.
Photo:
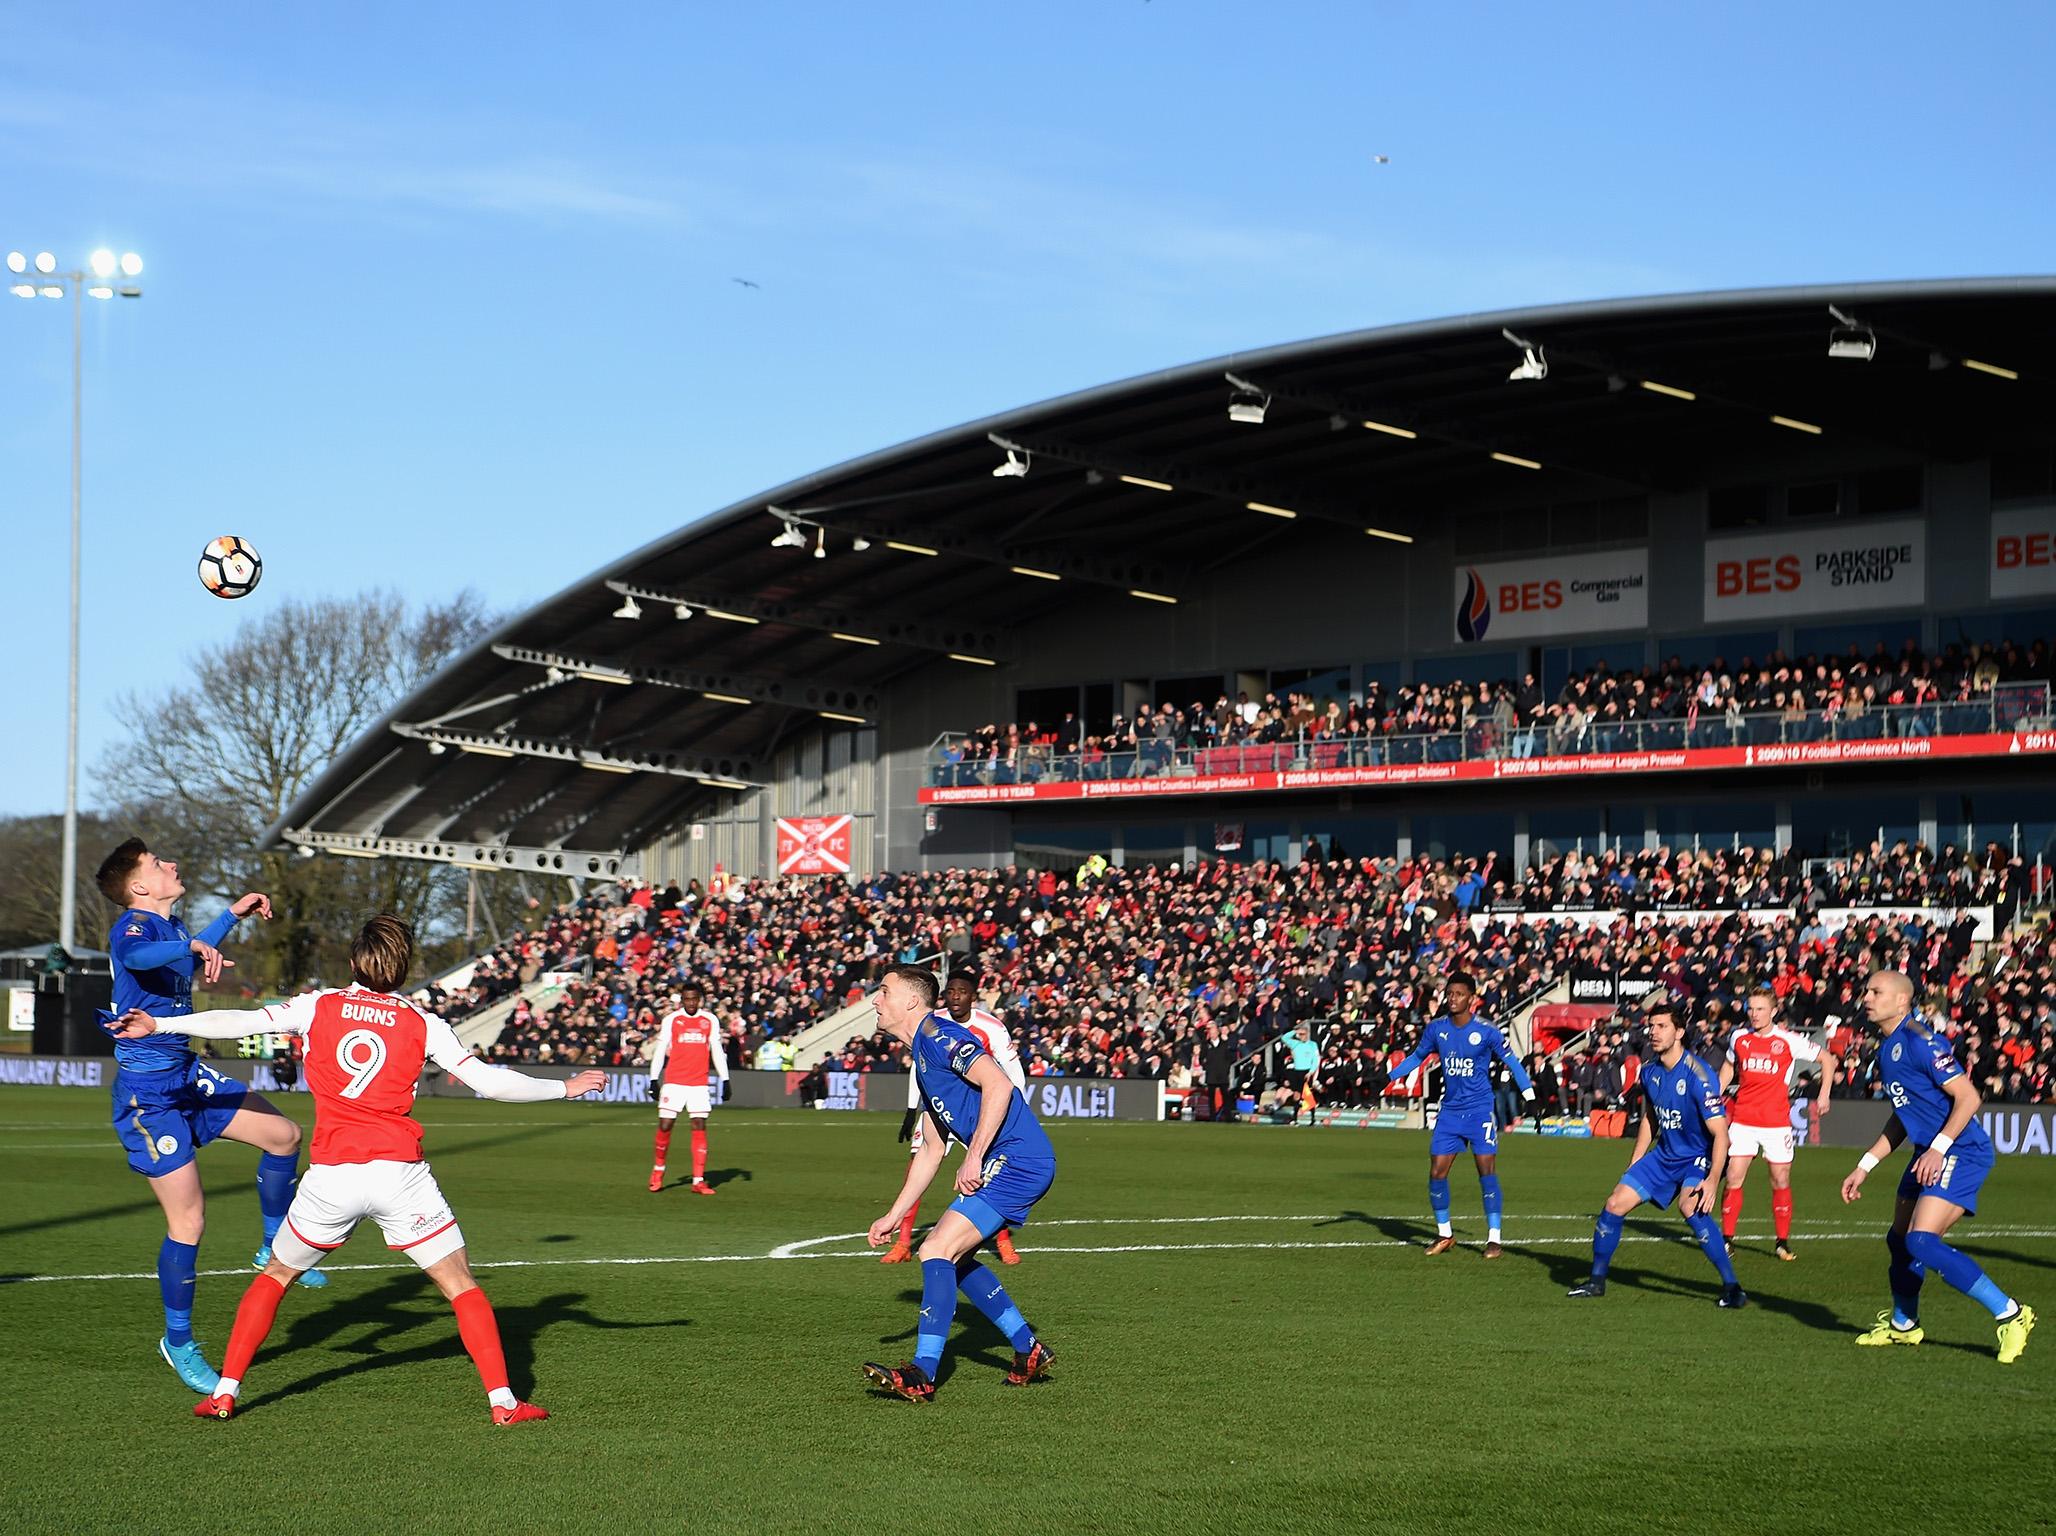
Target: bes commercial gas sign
(1800, 571)
(1556, 595)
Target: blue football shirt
(1682, 1101)
(1914, 1063)
(944, 1052)
(153, 970)
(1467, 1052)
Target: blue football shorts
(163, 1118)
(1010, 1189)
(1476, 1129)
(1964, 1171)
(1658, 1176)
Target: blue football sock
(1438, 1201)
(991, 1298)
(277, 1178)
(1714, 1245)
(177, 1269)
(1606, 1236)
(1488, 1183)
(1906, 1275)
(1960, 1270)
(938, 1310)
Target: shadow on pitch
(405, 1321)
(1569, 1266)
(2005, 1255)
(1398, 1228)
(976, 1341)
(79, 1218)
(716, 1177)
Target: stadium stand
(1130, 972)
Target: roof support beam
(851, 705)
(680, 765)
(987, 643)
(576, 863)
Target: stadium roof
(525, 753)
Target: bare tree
(205, 768)
(31, 851)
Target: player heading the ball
(365, 1045)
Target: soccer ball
(229, 567)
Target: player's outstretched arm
(500, 1083)
(1877, 1152)
(920, 1174)
(287, 1018)
(1830, 1070)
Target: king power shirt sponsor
(1560, 595)
(1841, 568)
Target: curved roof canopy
(592, 723)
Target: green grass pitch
(1248, 1338)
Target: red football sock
(699, 1156)
(1781, 1213)
(663, 1149)
(480, 1331)
(907, 1223)
(1731, 1211)
(254, 1317)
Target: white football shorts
(1770, 1142)
(674, 1098)
(401, 1197)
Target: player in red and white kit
(1759, 1067)
(960, 1001)
(364, 1051)
(688, 1047)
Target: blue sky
(440, 295)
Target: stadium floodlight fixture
(103, 263)
(1153, 597)
(1270, 511)
(1795, 424)
(726, 698)
(820, 543)
(681, 611)
(131, 264)
(1015, 466)
(550, 674)
(972, 661)
(23, 290)
(52, 291)
(1992, 368)
(1247, 404)
(629, 609)
(1146, 484)
(1534, 363)
(911, 549)
(99, 291)
(1672, 390)
(850, 639)
(1850, 338)
(480, 749)
(599, 767)
(359, 853)
(1039, 575)
(788, 536)
(435, 749)
(16, 262)
(860, 544)
(45, 263)
(1387, 533)
(1390, 430)
(1516, 460)
(831, 714)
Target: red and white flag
(814, 845)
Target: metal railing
(2008, 707)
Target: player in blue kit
(1467, 1046)
(1008, 1165)
(1935, 1107)
(1683, 1140)
(166, 1103)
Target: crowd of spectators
(1181, 971)
(1774, 698)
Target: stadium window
(2022, 626)
(1259, 840)
(1830, 641)
(1060, 846)
(1178, 692)
(1554, 833)
(1732, 507)
(1624, 518)
(2021, 821)
(1819, 499)
(1099, 707)
(1572, 526)
(1723, 824)
(1729, 648)
(1469, 667)
(1472, 836)
(1834, 826)
(1383, 673)
(2027, 475)
(1901, 488)
(1045, 706)
(1560, 663)
(1159, 842)
(1323, 684)
(1353, 837)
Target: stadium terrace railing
(2009, 707)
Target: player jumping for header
(1683, 1138)
(1008, 1166)
(168, 1104)
(1759, 1065)
(1469, 1118)
(688, 1043)
(365, 1046)
(960, 1002)
(1935, 1107)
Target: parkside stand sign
(1844, 568)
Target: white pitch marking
(776, 1255)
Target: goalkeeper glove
(913, 1118)
(653, 1087)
